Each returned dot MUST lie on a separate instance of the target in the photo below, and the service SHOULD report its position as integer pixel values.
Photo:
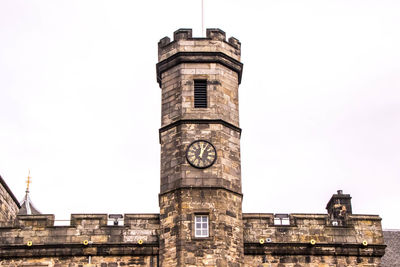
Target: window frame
(201, 223)
(282, 219)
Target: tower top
(212, 49)
(27, 207)
(211, 34)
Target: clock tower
(200, 194)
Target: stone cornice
(199, 188)
(78, 249)
(199, 57)
(198, 121)
(319, 249)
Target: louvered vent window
(200, 93)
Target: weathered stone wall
(224, 246)
(291, 244)
(83, 261)
(177, 172)
(392, 253)
(34, 238)
(310, 261)
(9, 206)
(178, 98)
(186, 59)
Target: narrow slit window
(200, 93)
(201, 226)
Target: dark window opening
(200, 93)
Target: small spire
(27, 208)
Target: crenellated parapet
(87, 234)
(210, 49)
(312, 234)
(183, 37)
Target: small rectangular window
(201, 226)
(200, 93)
(281, 219)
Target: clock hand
(202, 151)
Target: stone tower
(200, 196)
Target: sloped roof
(392, 252)
(27, 207)
(3, 183)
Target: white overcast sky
(319, 102)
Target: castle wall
(310, 261)
(83, 261)
(35, 239)
(290, 245)
(9, 206)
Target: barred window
(200, 93)
(201, 226)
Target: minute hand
(202, 151)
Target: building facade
(201, 222)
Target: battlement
(215, 41)
(89, 221)
(211, 34)
(86, 232)
(311, 231)
(210, 49)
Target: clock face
(201, 154)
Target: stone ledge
(37, 220)
(197, 121)
(57, 250)
(99, 219)
(199, 57)
(319, 249)
(207, 184)
(141, 216)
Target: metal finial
(28, 181)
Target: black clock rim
(204, 167)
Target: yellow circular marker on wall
(85, 242)
(29, 243)
(140, 241)
(365, 243)
(313, 242)
(261, 241)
